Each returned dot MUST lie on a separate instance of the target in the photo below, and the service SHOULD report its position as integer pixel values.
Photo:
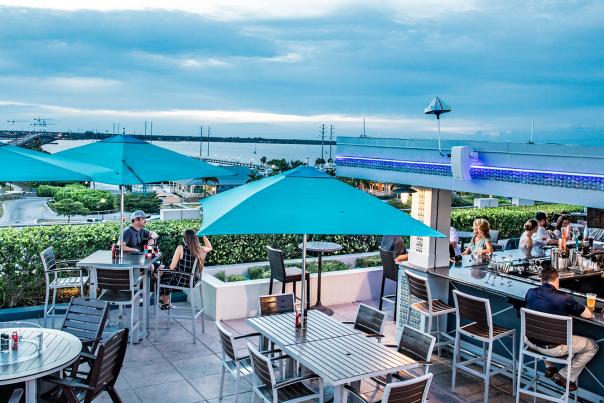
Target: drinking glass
(591, 301)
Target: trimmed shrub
(258, 272)
(149, 202)
(327, 266)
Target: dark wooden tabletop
(345, 359)
(281, 329)
(60, 350)
(103, 259)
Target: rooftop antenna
(364, 133)
(200, 141)
(209, 131)
(437, 107)
(331, 130)
(322, 140)
(532, 130)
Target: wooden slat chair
(105, 369)
(369, 321)
(238, 366)
(273, 305)
(121, 287)
(86, 319)
(270, 391)
(389, 272)
(431, 308)
(480, 328)
(549, 329)
(411, 391)
(285, 274)
(416, 345)
(55, 275)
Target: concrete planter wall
(224, 301)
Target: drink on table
(591, 301)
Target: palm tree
(254, 176)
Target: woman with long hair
(184, 259)
(481, 241)
(526, 243)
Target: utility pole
(331, 131)
(322, 140)
(145, 130)
(209, 131)
(151, 135)
(200, 140)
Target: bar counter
(507, 292)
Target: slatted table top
(345, 359)
(281, 329)
(103, 259)
(60, 350)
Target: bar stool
(427, 307)
(478, 312)
(285, 274)
(549, 329)
(390, 272)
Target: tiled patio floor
(168, 367)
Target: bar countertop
(479, 275)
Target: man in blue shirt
(547, 298)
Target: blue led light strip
(478, 172)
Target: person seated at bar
(454, 246)
(548, 299)
(182, 261)
(481, 241)
(563, 224)
(136, 235)
(526, 239)
(396, 244)
(543, 237)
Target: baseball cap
(138, 214)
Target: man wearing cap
(542, 237)
(136, 235)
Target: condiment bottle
(298, 319)
(15, 341)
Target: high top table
(61, 349)
(337, 353)
(101, 259)
(320, 248)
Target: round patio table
(320, 248)
(28, 363)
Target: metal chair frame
(409, 391)
(389, 272)
(486, 361)
(419, 287)
(52, 270)
(279, 273)
(370, 321)
(264, 379)
(525, 350)
(195, 313)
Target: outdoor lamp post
(403, 192)
(437, 107)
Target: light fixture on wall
(403, 192)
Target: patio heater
(437, 107)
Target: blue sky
(281, 68)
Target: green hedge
(508, 220)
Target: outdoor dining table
(29, 363)
(102, 259)
(337, 353)
(320, 248)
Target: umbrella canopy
(139, 162)
(23, 165)
(305, 201)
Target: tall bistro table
(337, 353)
(320, 248)
(101, 259)
(61, 349)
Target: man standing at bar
(543, 237)
(548, 299)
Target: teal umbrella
(137, 162)
(305, 201)
(23, 165)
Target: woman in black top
(183, 260)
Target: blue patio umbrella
(305, 201)
(23, 165)
(137, 162)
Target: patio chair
(369, 321)
(238, 366)
(511, 243)
(412, 391)
(54, 274)
(273, 305)
(86, 319)
(104, 371)
(289, 390)
(390, 272)
(285, 274)
(121, 287)
(183, 281)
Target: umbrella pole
(121, 221)
(303, 283)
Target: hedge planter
(239, 299)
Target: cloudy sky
(281, 68)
